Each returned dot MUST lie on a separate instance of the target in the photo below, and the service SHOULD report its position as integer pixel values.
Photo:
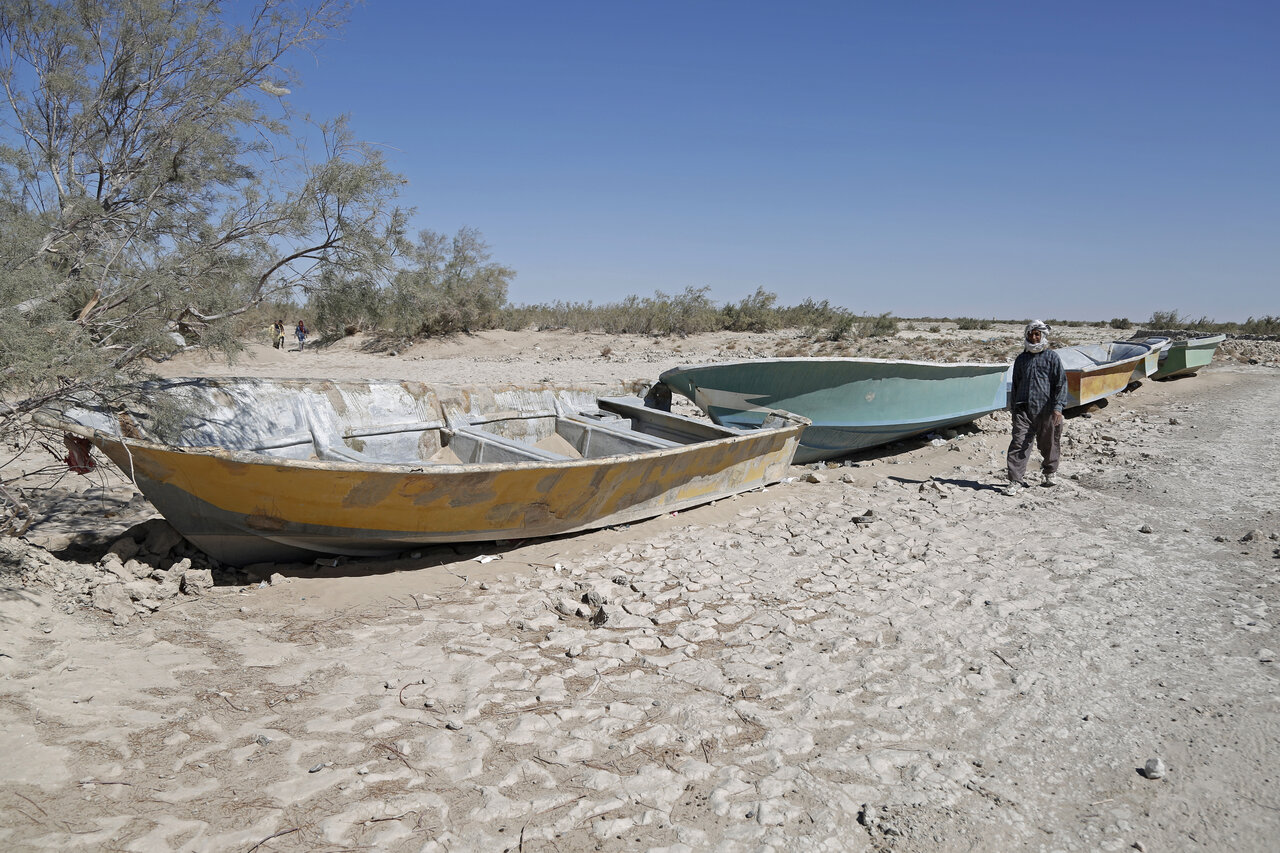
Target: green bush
(1121, 323)
(972, 323)
(1166, 320)
(753, 314)
(1261, 326)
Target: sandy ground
(968, 671)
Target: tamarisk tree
(154, 185)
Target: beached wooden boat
(252, 470)
(1095, 371)
(1183, 358)
(854, 403)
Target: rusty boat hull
(268, 470)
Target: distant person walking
(300, 332)
(277, 334)
(1039, 395)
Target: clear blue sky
(993, 159)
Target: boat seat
(606, 437)
(473, 445)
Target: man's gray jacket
(1039, 383)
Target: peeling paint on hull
(242, 506)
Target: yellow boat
(1095, 371)
(253, 470)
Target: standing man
(1039, 393)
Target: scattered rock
(866, 518)
(197, 581)
(1154, 769)
(1146, 528)
(1266, 655)
(112, 598)
(813, 477)
(161, 537)
(125, 548)
(1252, 535)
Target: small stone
(813, 477)
(1154, 769)
(866, 518)
(1174, 421)
(1266, 655)
(316, 769)
(1146, 528)
(276, 579)
(1252, 535)
(453, 724)
(197, 581)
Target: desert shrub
(1166, 320)
(879, 326)
(342, 302)
(935, 328)
(449, 286)
(972, 323)
(688, 313)
(755, 313)
(841, 327)
(1121, 323)
(1261, 326)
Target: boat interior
(400, 424)
(1093, 355)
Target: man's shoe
(1013, 488)
(1050, 480)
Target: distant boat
(854, 403)
(1095, 371)
(1183, 358)
(253, 470)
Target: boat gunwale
(1199, 343)
(797, 424)
(1096, 367)
(833, 360)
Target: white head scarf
(1044, 336)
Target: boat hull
(854, 404)
(242, 506)
(1184, 358)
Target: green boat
(1183, 358)
(854, 403)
